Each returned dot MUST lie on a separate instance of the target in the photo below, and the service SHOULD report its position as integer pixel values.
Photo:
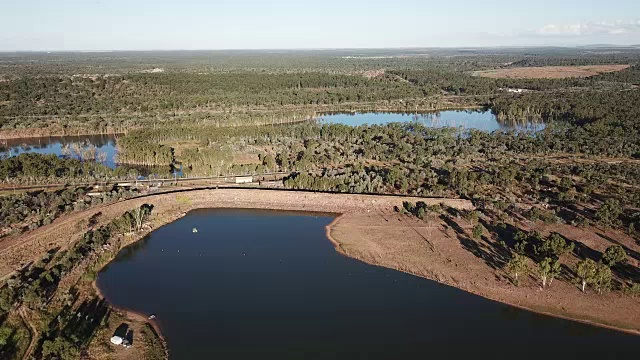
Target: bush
(477, 231)
(614, 254)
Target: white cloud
(591, 28)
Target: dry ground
(550, 72)
(444, 251)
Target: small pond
(99, 147)
(483, 120)
(256, 284)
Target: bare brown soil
(550, 72)
(443, 250)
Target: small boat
(152, 316)
(194, 230)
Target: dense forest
(36, 168)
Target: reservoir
(483, 120)
(101, 148)
(255, 284)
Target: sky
(54, 25)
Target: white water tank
(117, 340)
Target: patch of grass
(154, 348)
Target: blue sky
(256, 24)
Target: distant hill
(606, 46)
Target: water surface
(483, 120)
(68, 146)
(268, 285)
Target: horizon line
(326, 48)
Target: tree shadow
(583, 252)
(78, 325)
(485, 250)
(634, 254)
(89, 316)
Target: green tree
(5, 335)
(59, 348)
(613, 255)
(587, 271)
(473, 216)
(269, 162)
(477, 231)
(602, 280)
(548, 269)
(518, 266)
(607, 215)
(520, 239)
(553, 247)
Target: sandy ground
(444, 252)
(550, 72)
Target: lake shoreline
(338, 247)
(133, 316)
(352, 212)
(482, 281)
(45, 132)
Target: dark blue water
(464, 119)
(56, 145)
(269, 285)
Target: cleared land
(550, 72)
